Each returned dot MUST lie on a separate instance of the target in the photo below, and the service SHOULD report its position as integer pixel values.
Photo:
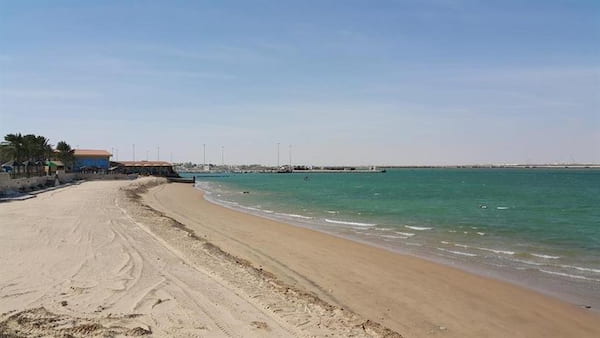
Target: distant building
(155, 168)
(91, 160)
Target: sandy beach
(410, 295)
(96, 259)
(90, 260)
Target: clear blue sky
(344, 82)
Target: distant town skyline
(436, 82)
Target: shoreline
(417, 299)
(94, 260)
(579, 293)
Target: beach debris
(139, 331)
(377, 330)
(100, 308)
(63, 303)
(260, 325)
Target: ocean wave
(545, 256)
(349, 223)
(332, 211)
(296, 216)
(505, 252)
(408, 234)
(527, 262)
(580, 268)
(250, 208)
(417, 228)
(458, 252)
(392, 236)
(481, 233)
(502, 208)
(569, 275)
(268, 211)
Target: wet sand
(413, 296)
(90, 260)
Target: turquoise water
(524, 221)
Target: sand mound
(40, 322)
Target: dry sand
(90, 260)
(410, 295)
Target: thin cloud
(45, 94)
(221, 53)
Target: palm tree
(28, 150)
(65, 153)
(13, 148)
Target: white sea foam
(580, 268)
(251, 208)
(506, 252)
(444, 242)
(392, 236)
(458, 252)
(408, 234)
(349, 223)
(545, 256)
(451, 230)
(528, 262)
(481, 233)
(461, 245)
(502, 208)
(332, 212)
(417, 228)
(268, 211)
(569, 275)
(296, 216)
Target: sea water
(536, 227)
